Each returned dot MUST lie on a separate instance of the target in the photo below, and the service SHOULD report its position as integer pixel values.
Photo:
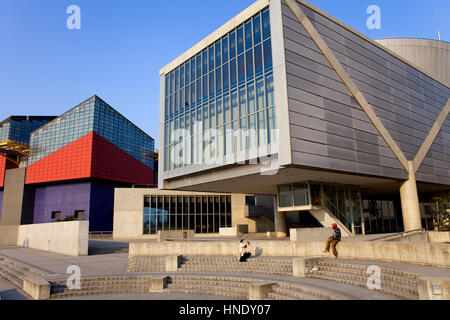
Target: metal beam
(426, 145)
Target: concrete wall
(8, 235)
(70, 238)
(438, 237)
(310, 234)
(13, 196)
(425, 254)
(328, 127)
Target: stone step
(398, 294)
(215, 283)
(209, 288)
(103, 287)
(295, 294)
(384, 284)
(234, 270)
(208, 293)
(320, 295)
(95, 293)
(400, 273)
(108, 279)
(401, 280)
(17, 282)
(279, 296)
(240, 264)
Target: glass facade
(18, 129)
(221, 101)
(203, 214)
(342, 200)
(92, 115)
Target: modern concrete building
(141, 213)
(286, 100)
(73, 165)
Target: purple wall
(65, 198)
(1, 204)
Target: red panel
(5, 165)
(2, 170)
(111, 163)
(70, 162)
(90, 157)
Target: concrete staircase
(393, 282)
(121, 284)
(218, 264)
(15, 271)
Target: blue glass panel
(266, 24)
(241, 69)
(199, 66)
(187, 75)
(211, 58)
(232, 45)
(233, 79)
(182, 76)
(248, 35)
(218, 50)
(258, 61)
(192, 94)
(225, 79)
(218, 80)
(240, 40)
(205, 87)
(257, 29)
(177, 79)
(204, 62)
(211, 85)
(167, 86)
(199, 91)
(267, 56)
(192, 69)
(225, 49)
(249, 64)
(172, 82)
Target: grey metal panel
(406, 101)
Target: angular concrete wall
(424, 254)
(70, 238)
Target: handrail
(397, 234)
(347, 223)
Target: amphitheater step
(392, 292)
(219, 293)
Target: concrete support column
(410, 201)
(279, 221)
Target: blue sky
(46, 69)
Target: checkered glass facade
(97, 116)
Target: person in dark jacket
(333, 241)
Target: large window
(230, 85)
(203, 214)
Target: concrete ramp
(326, 218)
